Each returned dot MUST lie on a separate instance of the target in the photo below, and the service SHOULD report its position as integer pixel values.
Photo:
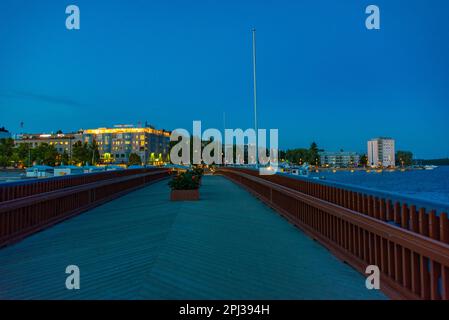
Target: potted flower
(197, 171)
(185, 186)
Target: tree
(134, 159)
(6, 152)
(313, 154)
(404, 158)
(4, 161)
(94, 153)
(363, 160)
(81, 153)
(45, 154)
(297, 156)
(6, 147)
(23, 152)
(65, 158)
(282, 155)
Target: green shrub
(198, 171)
(188, 180)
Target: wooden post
(444, 228)
(434, 228)
(404, 216)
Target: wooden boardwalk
(229, 245)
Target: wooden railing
(26, 215)
(28, 187)
(418, 219)
(412, 265)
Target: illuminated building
(116, 144)
(340, 159)
(62, 142)
(381, 152)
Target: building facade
(340, 159)
(381, 152)
(63, 143)
(117, 143)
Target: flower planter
(185, 195)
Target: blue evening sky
(322, 76)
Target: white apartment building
(381, 152)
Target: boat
(430, 167)
(39, 172)
(300, 171)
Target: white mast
(255, 95)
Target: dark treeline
(434, 162)
(23, 154)
(302, 155)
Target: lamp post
(255, 94)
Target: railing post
(444, 228)
(413, 219)
(434, 228)
(404, 216)
(423, 222)
(382, 213)
(397, 212)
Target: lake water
(430, 185)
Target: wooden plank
(444, 228)
(435, 272)
(434, 226)
(425, 278)
(423, 222)
(416, 274)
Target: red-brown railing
(25, 188)
(413, 266)
(23, 216)
(409, 216)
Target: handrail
(419, 202)
(27, 187)
(429, 223)
(22, 217)
(412, 266)
(395, 196)
(46, 196)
